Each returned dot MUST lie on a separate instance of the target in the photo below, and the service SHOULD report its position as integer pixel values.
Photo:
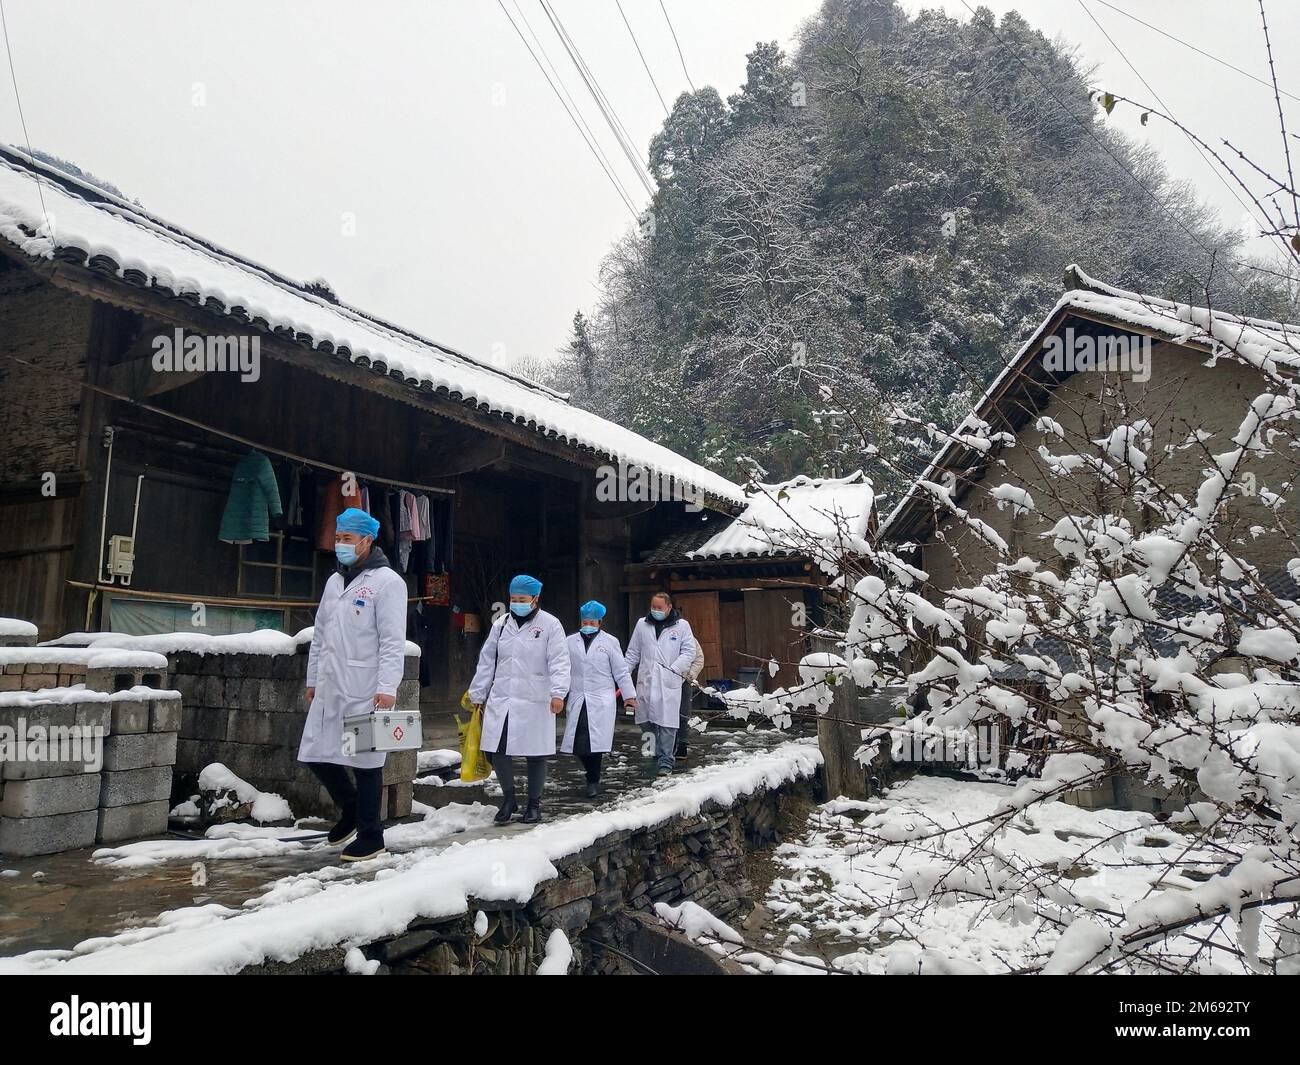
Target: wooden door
(700, 609)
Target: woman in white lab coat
(661, 650)
(358, 650)
(597, 673)
(521, 681)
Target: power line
(1199, 51)
(679, 45)
(619, 5)
(603, 103)
(13, 75)
(569, 96)
(1169, 111)
(594, 151)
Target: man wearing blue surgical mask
(521, 681)
(598, 672)
(358, 651)
(661, 650)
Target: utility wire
(1199, 51)
(598, 94)
(13, 75)
(632, 34)
(679, 45)
(594, 151)
(541, 48)
(1169, 111)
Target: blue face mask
(589, 630)
(346, 553)
(521, 610)
(658, 615)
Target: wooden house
(129, 393)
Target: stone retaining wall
(603, 897)
(247, 712)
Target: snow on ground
(559, 955)
(265, 806)
(332, 906)
(430, 761)
(832, 889)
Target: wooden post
(839, 735)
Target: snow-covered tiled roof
(1271, 346)
(147, 251)
(822, 516)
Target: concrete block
(95, 714)
(117, 823)
(138, 751)
(248, 726)
(47, 796)
(131, 786)
(164, 715)
(128, 716)
(400, 766)
(24, 836)
(204, 723)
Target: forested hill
(875, 220)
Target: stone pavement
(59, 901)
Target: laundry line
(204, 427)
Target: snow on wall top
(829, 514)
(16, 627)
(91, 221)
(1269, 346)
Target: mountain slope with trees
(873, 222)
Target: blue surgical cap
(592, 609)
(525, 585)
(356, 521)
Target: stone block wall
(603, 896)
(247, 712)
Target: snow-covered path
(441, 862)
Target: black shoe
(363, 848)
(593, 788)
(533, 814)
(343, 832)
(504, 814)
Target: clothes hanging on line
(253, 501)
(334, 500)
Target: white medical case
(383, 730)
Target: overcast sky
(480, 216)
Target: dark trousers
(582, 748)
(685, 715)
(361, 800)
(504, 765)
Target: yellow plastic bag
(473, 762)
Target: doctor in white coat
(358, 650)
(661, 650)
(597, 672)
(521, 681)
